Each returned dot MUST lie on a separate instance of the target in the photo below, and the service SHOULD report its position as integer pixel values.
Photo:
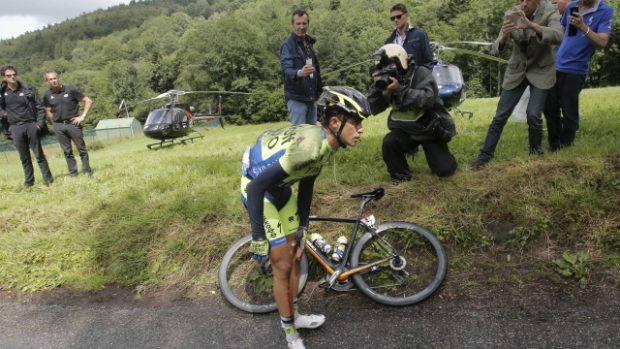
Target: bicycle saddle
(375, 194)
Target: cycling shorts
(278, 223)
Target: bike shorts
(278, 222)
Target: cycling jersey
(301, 150)
(277, 160)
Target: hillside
(137, 51)
(152, 220)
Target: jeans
(396, 145)
(562, 109)
(507, 102)
(65, 133)
(301, 112)
(26, 136)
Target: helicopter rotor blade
(466, 42)
(476, 53)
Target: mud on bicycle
(393, 263)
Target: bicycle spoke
(412, 272)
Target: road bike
(394, 263)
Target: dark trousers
(507, 102)
(26, 136)
(65, 133)
(396, 145)
(562, 109)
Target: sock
(288, 325)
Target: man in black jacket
(418, 116)
(26, 120)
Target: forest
(136, 51)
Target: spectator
(591, 25)
(413, 40)
(417, 116)
(532, 28)
(62, 107)
(300, 69)
(26, 120)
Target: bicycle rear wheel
(247, 284)
(416, 267)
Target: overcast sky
(20, 16)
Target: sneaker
(309, 321)
(477, 164)
(297, 343)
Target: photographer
(418, 116)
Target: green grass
(156, 219)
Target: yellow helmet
(344, 100)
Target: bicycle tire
(424, 270)
(245, 284)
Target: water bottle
(339, 251)
(320, 243)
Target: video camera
(385, 68)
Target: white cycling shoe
(309, 321)
(297, 343)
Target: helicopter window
(448, 75)
(159, 116)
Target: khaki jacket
(532, 54)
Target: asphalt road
(498, 320)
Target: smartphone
(309, 62)
(572, 30)
(512, 16)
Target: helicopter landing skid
(170, 141)
(462, 113)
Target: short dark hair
(49, 71)
(7, 67)
(399, 7)
(299, 12)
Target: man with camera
(532, 28)
(587, 26)
(417, 118)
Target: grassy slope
(161, 218)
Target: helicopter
(449, 78)
(175, 120)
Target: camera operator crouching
(418, 116)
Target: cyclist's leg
(282, 257)
(290, 222)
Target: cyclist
(278, 218)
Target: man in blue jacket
(300, 69)
(413, 40)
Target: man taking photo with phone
(587, 24)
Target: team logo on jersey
(66, 95)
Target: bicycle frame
(339, 271)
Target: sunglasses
(10, 75)
(393, 18)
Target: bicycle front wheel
(247, 284)
(415, 268)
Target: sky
(20, 16)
